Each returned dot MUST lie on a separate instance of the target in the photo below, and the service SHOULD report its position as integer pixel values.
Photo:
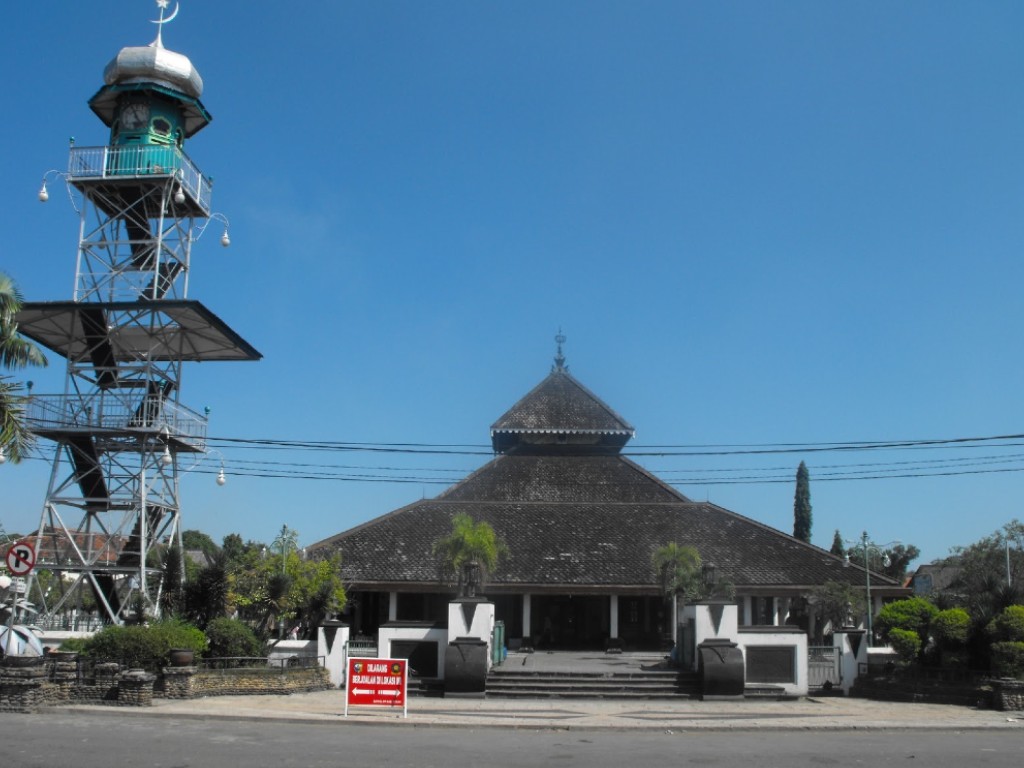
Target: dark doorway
(569, 622)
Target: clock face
(134, 116)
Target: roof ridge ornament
(162, 5)
(560, 366)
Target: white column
(392, 606)
(613, 616)
(526, 619)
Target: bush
(231, 637)
(74, 644)
(145, 646)
(1008, 659)
(1009, 625)
(914, 614)
(951, 628)
(906, 643)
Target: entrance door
(570, 622)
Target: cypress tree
(838, 548)
(802, 505)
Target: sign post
(377, 683)
(21, 559)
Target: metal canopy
(167, 330)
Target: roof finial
(560, 358)
(162, 5)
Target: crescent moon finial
(162, 5)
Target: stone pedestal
(1008, 694)
(22, 685)
(465, 667)
(63, 674)
(178, 682)
(135, 689)
(720, 669)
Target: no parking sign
(21, 558)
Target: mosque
(581, 523)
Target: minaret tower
(122, 433)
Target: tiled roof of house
(575, 514)
(561, 405)
(570, 524)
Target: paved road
(100, 740)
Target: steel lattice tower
(123, 436)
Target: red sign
(21, 558)
(376, 683)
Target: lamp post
(868, 546)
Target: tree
(470, 547)
(838, 548)
(836, 603)
(679, 568)
(268, 589)
(802, 505)
(990, 573)
(892, 561)
(15, 353)
(197, 540)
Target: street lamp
(867, 546)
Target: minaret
(123, 436)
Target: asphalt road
(83, 740)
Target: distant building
(930, 579)
(581, 522)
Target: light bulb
(43, 194)
(224, 239)
(221, 479)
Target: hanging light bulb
(43, 194)
(167, 458)
(224, 239)
(221, 478)
(179, 196)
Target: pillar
(527, 618)
(613, 612)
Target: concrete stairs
(655, 684)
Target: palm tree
(15, 352)
(679, 568)
(468, 554)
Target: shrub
(914, 614)
(1008, 659)
(951, 628)
(906, 643)
(145, 646)
(74, 644)
(231, 637)
(1009, 625)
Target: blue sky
(756, 223)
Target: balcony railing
(146, 160)
(104, 411)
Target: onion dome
(156, 65)
(157, 71)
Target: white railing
(105, 411)
(140, 160)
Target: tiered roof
(576, 515)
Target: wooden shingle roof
(576, 515)
(571, 525)
(559, 406)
